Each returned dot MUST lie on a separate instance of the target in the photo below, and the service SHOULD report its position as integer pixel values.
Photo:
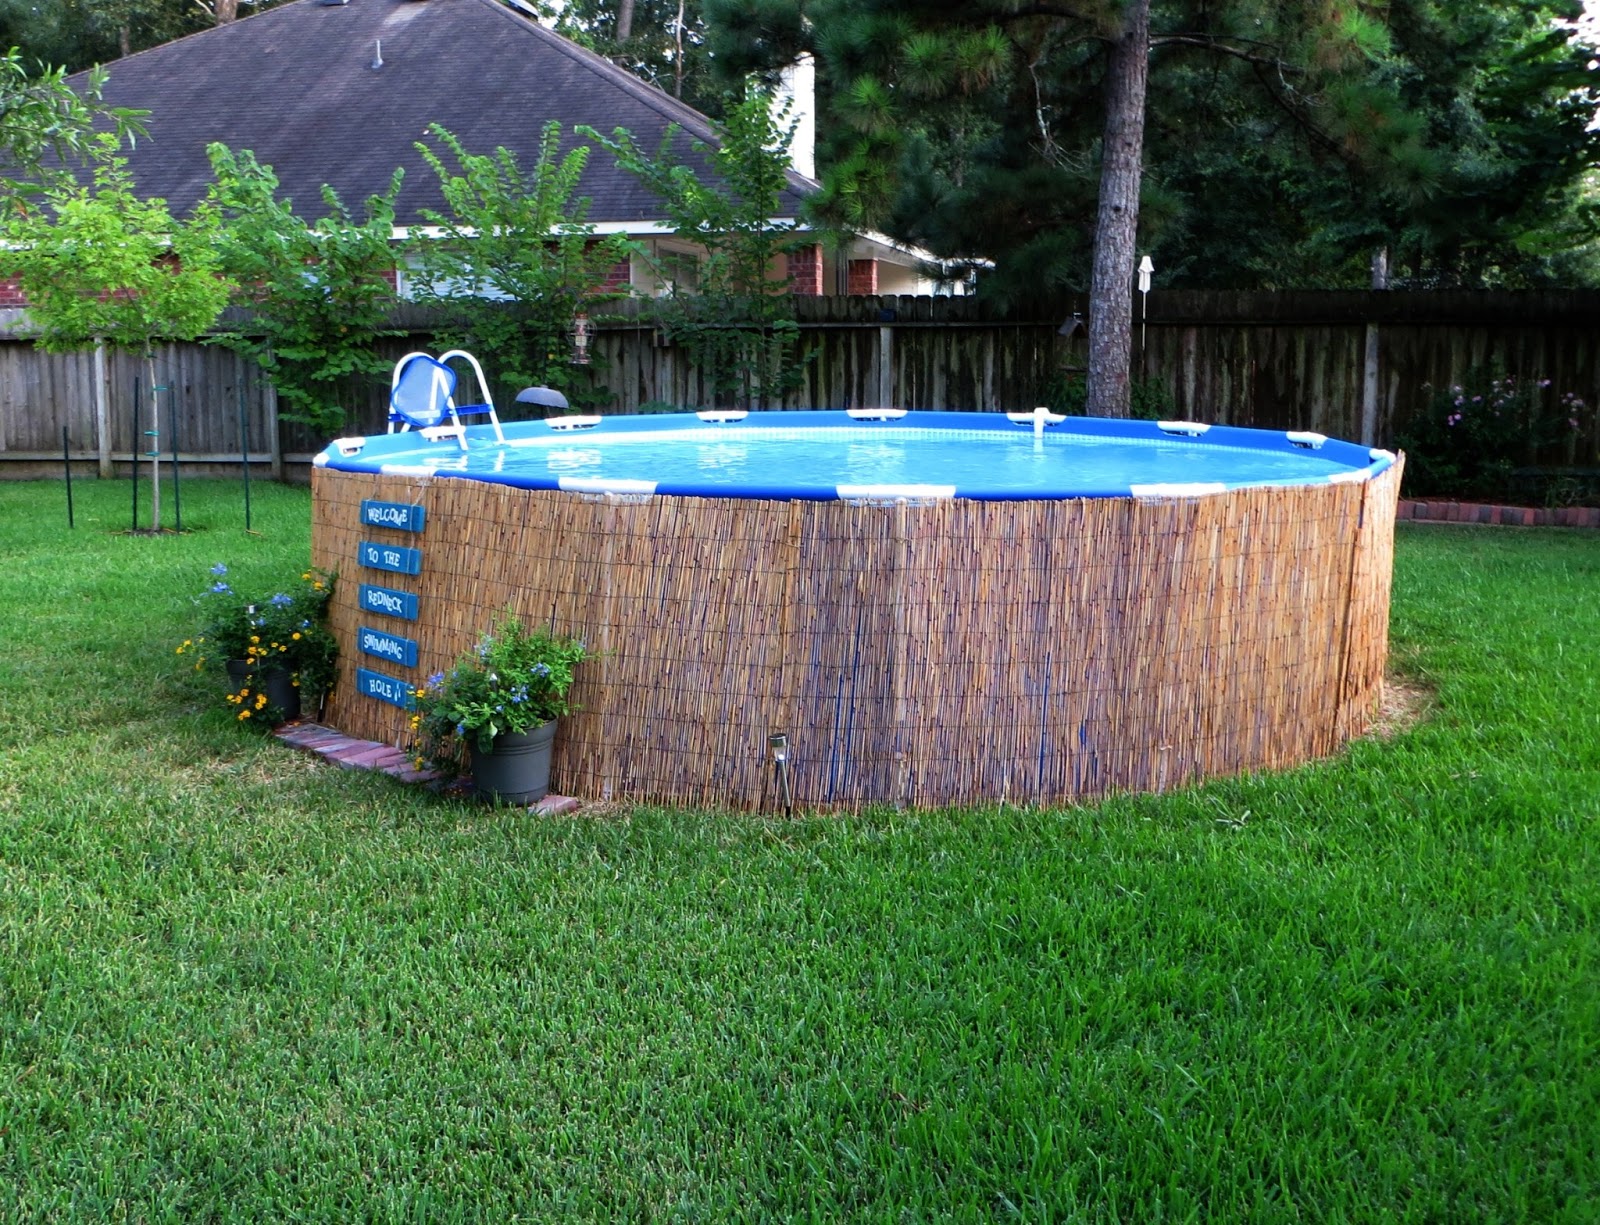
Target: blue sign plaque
(402, 604)
(392, 647)
(402, 516)
(395, 558)
(384, 688)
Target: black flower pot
(516, 770)
(277, 683)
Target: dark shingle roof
(296, 85)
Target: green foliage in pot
(513, 680)
(270, 630)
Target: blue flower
(220, 588)
(541, 669)
(519, 694)
(436, 680)
(280, 599)
(219, 568)
(306, 624)
(461, 729)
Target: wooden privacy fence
(1276, 360)
(916, 653)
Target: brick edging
(1436, 511)
(354, 754)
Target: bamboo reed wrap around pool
(924, 653)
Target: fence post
(886, 398)
(269, 397)
(1369, 370)
(102, 409)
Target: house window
(679, 269)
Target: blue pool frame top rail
(489, 458)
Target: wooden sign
(395, 558)
(392, 647)
(402, 516)
(390, 603)
(384, 688)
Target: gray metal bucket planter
(517, 769)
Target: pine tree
(1005, 131)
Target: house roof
(297, 86)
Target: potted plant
(275, 647)
(501, 700)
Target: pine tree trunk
(624, 20)
(1117, 226)
(226, 11)
(677, 58)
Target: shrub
(1475, 435)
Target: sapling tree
(45, 124)
(99, 262)
(733, 311)
(319, 293)
(515, 259)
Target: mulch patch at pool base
(1435, 510)
(354, 754)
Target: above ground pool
(929, 608)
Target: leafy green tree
(98, 261)
(660, 41)
(733, 312)
(319, 293)
(79, 33)
(515, 259)
(45, 125)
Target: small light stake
(778, 746)
(1146, 269)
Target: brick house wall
(863, 276)
(805, 271)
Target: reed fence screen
(921, 654)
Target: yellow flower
(244, 714)
(253, 638)
(295, 636)
(306, 576)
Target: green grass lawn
(238, 983)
